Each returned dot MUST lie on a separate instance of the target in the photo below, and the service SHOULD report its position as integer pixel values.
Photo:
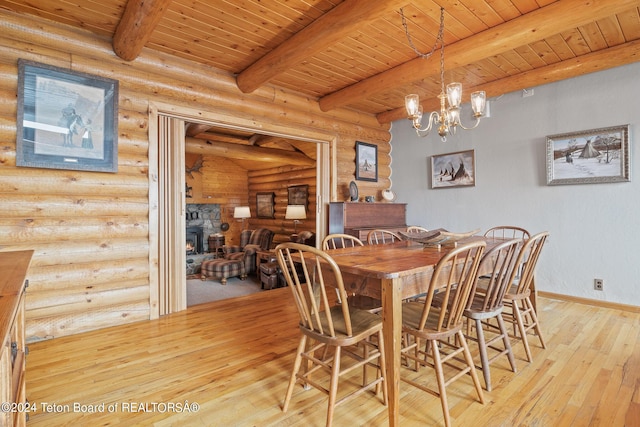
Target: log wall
(278, 180)
(90, 231)
(223, 182)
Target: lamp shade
(454, 94)
(295, 212)
(412, 104)
(478, 102)
(242, 212)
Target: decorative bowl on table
(438, 237)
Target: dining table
(393, 272)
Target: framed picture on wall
(265, 205)
(366, 162)
(298, 195)
(589, 157)
(66, 119)
(453, 169)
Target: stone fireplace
(205, 217)
(202, 220)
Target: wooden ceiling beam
(531, 27)
(246, 152)
(597, 61)
(194, 129)
(138, 21)
(329, 29)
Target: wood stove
(194, 240)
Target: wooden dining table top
(396, 259)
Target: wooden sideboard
(358, 219)
(14, 266)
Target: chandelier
(447, 119)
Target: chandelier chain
(439, 39)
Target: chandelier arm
(475, 125)
(434, 117)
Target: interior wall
(594, 232)
(219, 181)
(277, 180)
(94, 233)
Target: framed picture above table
(453, 169)
(66, 119)
(589, 157)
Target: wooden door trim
(326, 167)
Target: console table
(14, 266)
(357, 219)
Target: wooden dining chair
(330, 333)
(519, 308)
(339, 240)
(336, 241)
(507, 232)
(440, 326)
(416, 229)
(380, 236)
(486, 303)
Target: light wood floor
(232, 358)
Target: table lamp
(242, 212)
(296, 213)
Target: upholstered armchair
(251, 241)
(306, 238)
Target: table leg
(392, 331)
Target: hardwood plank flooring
(232, 358)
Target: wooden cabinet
(358, 219)
(14, 266)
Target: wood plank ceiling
(355, 53)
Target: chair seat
(513, 295)
(363, 323)
(411, 314)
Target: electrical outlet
(598, 284)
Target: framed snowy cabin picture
(453, 169)
(589, 157)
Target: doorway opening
(167, 194)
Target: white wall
(594, 228)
